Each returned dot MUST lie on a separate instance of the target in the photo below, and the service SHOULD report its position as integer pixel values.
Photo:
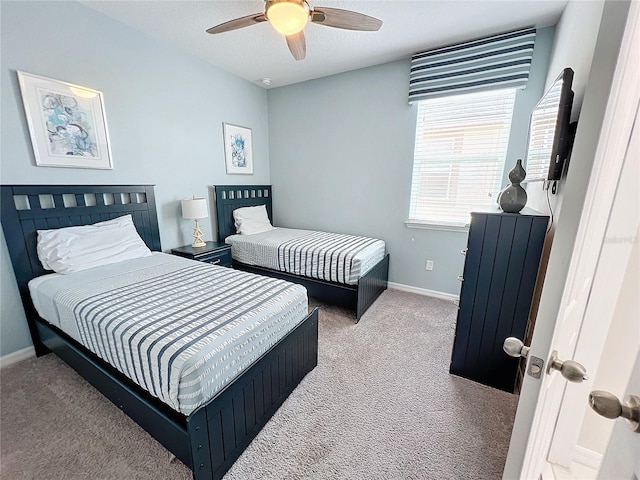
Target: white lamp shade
(194, 208)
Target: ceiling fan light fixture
(288, 17)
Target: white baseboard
(422, 291)
(587, 457)
(18, 356)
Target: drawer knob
(464, 252)
(460, 278)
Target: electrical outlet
(429, 265)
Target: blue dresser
(502, 258)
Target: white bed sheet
(44, 289)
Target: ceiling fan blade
(346, 19)
(298, 45)
(238, 23)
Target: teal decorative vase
(513, 198)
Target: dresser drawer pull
(214, 262)
(464, 252)
(456, 302)
(460, 278)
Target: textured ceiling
(259, 51)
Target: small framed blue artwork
(67, 123)
(238, 151)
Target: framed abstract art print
(67, 123)
(238, 150)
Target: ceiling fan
(289, 17)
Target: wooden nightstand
(215, 253)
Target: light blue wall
(341, 154)
(164, 111)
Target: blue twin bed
(200, 356)
(356, 292)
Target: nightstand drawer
(218, 258)
(216, 253)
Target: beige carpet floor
(380, 405)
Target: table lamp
(194, 209)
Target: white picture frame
(238, 149)
(67, 123)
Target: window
(459, 156)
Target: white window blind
(459, 156)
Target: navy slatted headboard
(230, 197)
(28, 208)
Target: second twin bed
(340, 269)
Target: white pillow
(72, 249)
(250, 220)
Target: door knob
(514, 347)
(608, 405)
(569, 369)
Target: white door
(614, 258)
(594, 276)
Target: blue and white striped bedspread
(326, 256)
(182, 330)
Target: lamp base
(197, 236)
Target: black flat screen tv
(550, 131)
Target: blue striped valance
(500, 61)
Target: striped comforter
(182, 330)
(326, 256)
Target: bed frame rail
(212, 438)
(357, 298)
(165, 425)
(221, 430)
(371, 285)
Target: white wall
(164, 111)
